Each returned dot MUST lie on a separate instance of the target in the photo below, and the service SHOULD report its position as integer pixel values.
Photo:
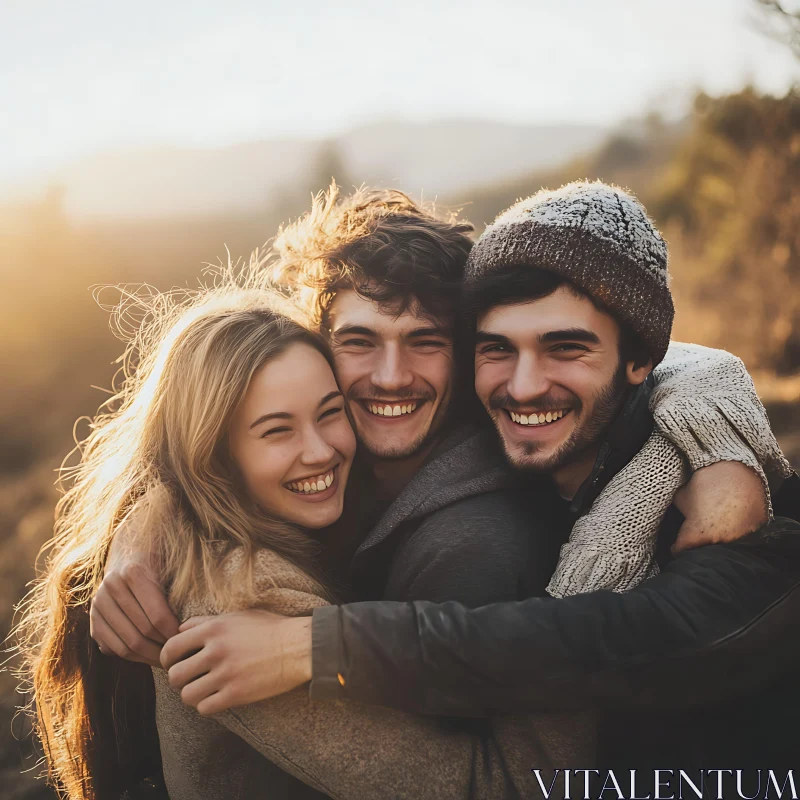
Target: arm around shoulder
(709, 607)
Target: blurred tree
(730, 205)
(779, 23)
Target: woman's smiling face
(291, 439)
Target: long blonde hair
(160, 444)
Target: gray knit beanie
(599, 238)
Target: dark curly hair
(378, 242)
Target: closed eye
(569, 347)
(331, 412)
(271, 431)
(431, 343)
(355, 343)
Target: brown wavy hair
(378, 242)
(159, 446)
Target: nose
(529, 381)
(391, 371)
(316, 450)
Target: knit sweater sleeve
(706, 404)
(706, 410)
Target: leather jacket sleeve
(718, 622)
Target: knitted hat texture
(599, 238)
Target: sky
(80, 77)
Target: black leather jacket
(716, 631)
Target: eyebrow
(417, 333)
(286, 415)
(565, 335)
(487, 336)
(349, 330)
(420, 333)
(570, 334)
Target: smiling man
(396, 371)
(553, 371)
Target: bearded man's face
(549, 374)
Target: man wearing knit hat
(569, 293)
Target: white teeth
(536, 419)
(313, 485)
(393, 411)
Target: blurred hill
(445, 156)
(724, 186)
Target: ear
(636, 375)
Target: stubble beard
(584, 437)
(388, 452)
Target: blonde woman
(231, 412)
(229, 446)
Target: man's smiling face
(549, 373)
(395, 371)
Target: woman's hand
(238, 658)
(721, 503)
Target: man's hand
(238, 658)
(721, 503)
(130, 617)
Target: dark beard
(586, 435)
